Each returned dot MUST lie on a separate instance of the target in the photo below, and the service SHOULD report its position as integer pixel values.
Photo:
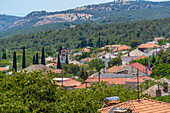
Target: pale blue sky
(23, 7)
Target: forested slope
(89, 35)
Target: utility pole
(99, 76)
(138, 81)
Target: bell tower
(63, 56)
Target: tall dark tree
(60, 49)
(4, 55)
(107, 42)
(99, 42)
(66, 58)
(58, 62)
(90, 43)
(37, 59)
(43, 57)
(23, 59)
(34, 62)
(14, 62)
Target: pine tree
(4, 55)
(66, 58)
(58, 62)
(37, 59)
(43, 57)
(34, 62)
(23, 59)
(14, 62)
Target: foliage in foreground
(34, 92)
(163, 98)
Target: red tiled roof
(109, 80)
(3, 69)
(87, 59)
(84, 85)
(121, 48)
(141, 106)
(69, 83)
(141, 57)
(113, 69)
(148, 45)
(63, 50)
(141, 79)
(52, 64)
(102, 48)
(57, 71)
(85, 50)
(140, 67)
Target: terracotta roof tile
(140, 67)
(69, 83)
(142, 106)
(84, 85)
(3, 69)
(57, 71)
(141, 79)
(109, 80)
(85, 50)
(148, 45)
(113, 69)
(87, 59)
(140, 57)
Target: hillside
(113, 12)
(88, 35)
(6, 20)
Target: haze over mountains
(112, 12)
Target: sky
(23, 7)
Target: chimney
(128, 54)
(165, 87)
(158, 92)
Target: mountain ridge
(96, 13)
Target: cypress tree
(23, 59)
(34, 60)
(43, 57)
(37, 59)
(58, 62)
(14, 62)
(60, 49)
(4, 55)
(66, 58)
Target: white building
(63, 56)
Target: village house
(69, 83)
(111, 47)
(85, 60)
(158, 38)
(106, 58)
(144, 47)
(84, 50)
(159, 90)
(49, 58)
(58, 71)
(3, 69)
(51, 64)
(121, 48)
(38, 67)
(137, 106)
(113, 69)
(132, 68)
(132, 82)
